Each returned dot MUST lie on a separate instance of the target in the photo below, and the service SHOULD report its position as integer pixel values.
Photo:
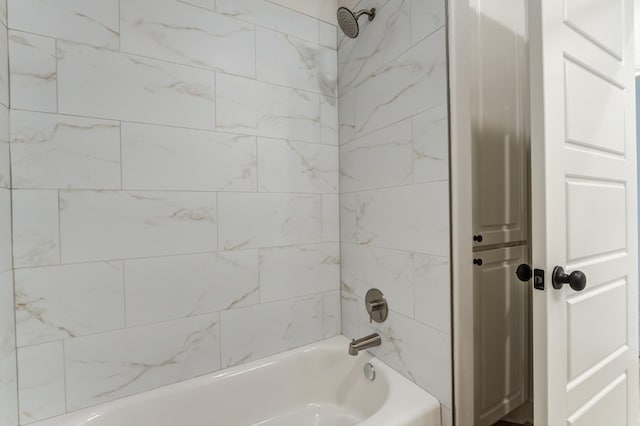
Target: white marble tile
(413, 218)
(268, 220)
(414, 82)
(329, 121)
(332, 323)
(349, 307)
(189, 285)
(426, 17)
(114, 85)
(390, 271)
(8, 373)
(378, 44)
(5, 160)
(262, 330)
(4, 67)
(286, 166)
(431, 145)
(330, 217)
(347, 218)
(5, 230)
(205, 4)
(287, 272)
(270, 15)
(328, 35)
(172, 158)
(300, 64)
(36, 234)
(61, 151)
(347, 117)
(41, 386)
(3, 12)
(420, 353)
(380, 159)
(178, 32)
(65, 301)
(94, 22)
(257, 108)
(432, 291)
(32, 60)
(103, 225)
(111, 365)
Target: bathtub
(319, 385)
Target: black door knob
(524, 272)
(576, 280)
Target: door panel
(502, 337)
(584, 211)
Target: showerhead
(348, 20)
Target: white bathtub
(319, 385)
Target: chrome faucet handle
(376, 305)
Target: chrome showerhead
(348, 20)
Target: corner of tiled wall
(175, 165)
(394, 190)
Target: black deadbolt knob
(577, 280)
(524, 272)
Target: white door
(584, 211)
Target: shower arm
(371, 13)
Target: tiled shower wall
(175, 176)
(8, 379)
(394, 187)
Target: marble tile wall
(394, 191)
(8, 368)
(175, 189)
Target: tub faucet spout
(366, 342)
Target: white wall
(8, 379)
(394, 187)
(175, 175)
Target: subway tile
(332, 323)
(300, 65)
(328, 35)
(189, 285)
(108, 84)
(178, 32)
(36, 234)
(261, 330)
(111, 365)
(330, 217)
(257, 108)
(5, 160)
(420, 353)
(8, 373)
(268, 220)
(61, 151)
(379, 159)
(32, 60)
(5, 230)
(104, 225)
(286, 166)
(378, 44)
(287, 272)
(329, 121)
(41, 382)
(94, 22)
(272, 16)
(421, 225)
(390, 271)
(61, 302)
(414, 82)
(426, 17)
(171, 158)
(432, 291)
(431, 145)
